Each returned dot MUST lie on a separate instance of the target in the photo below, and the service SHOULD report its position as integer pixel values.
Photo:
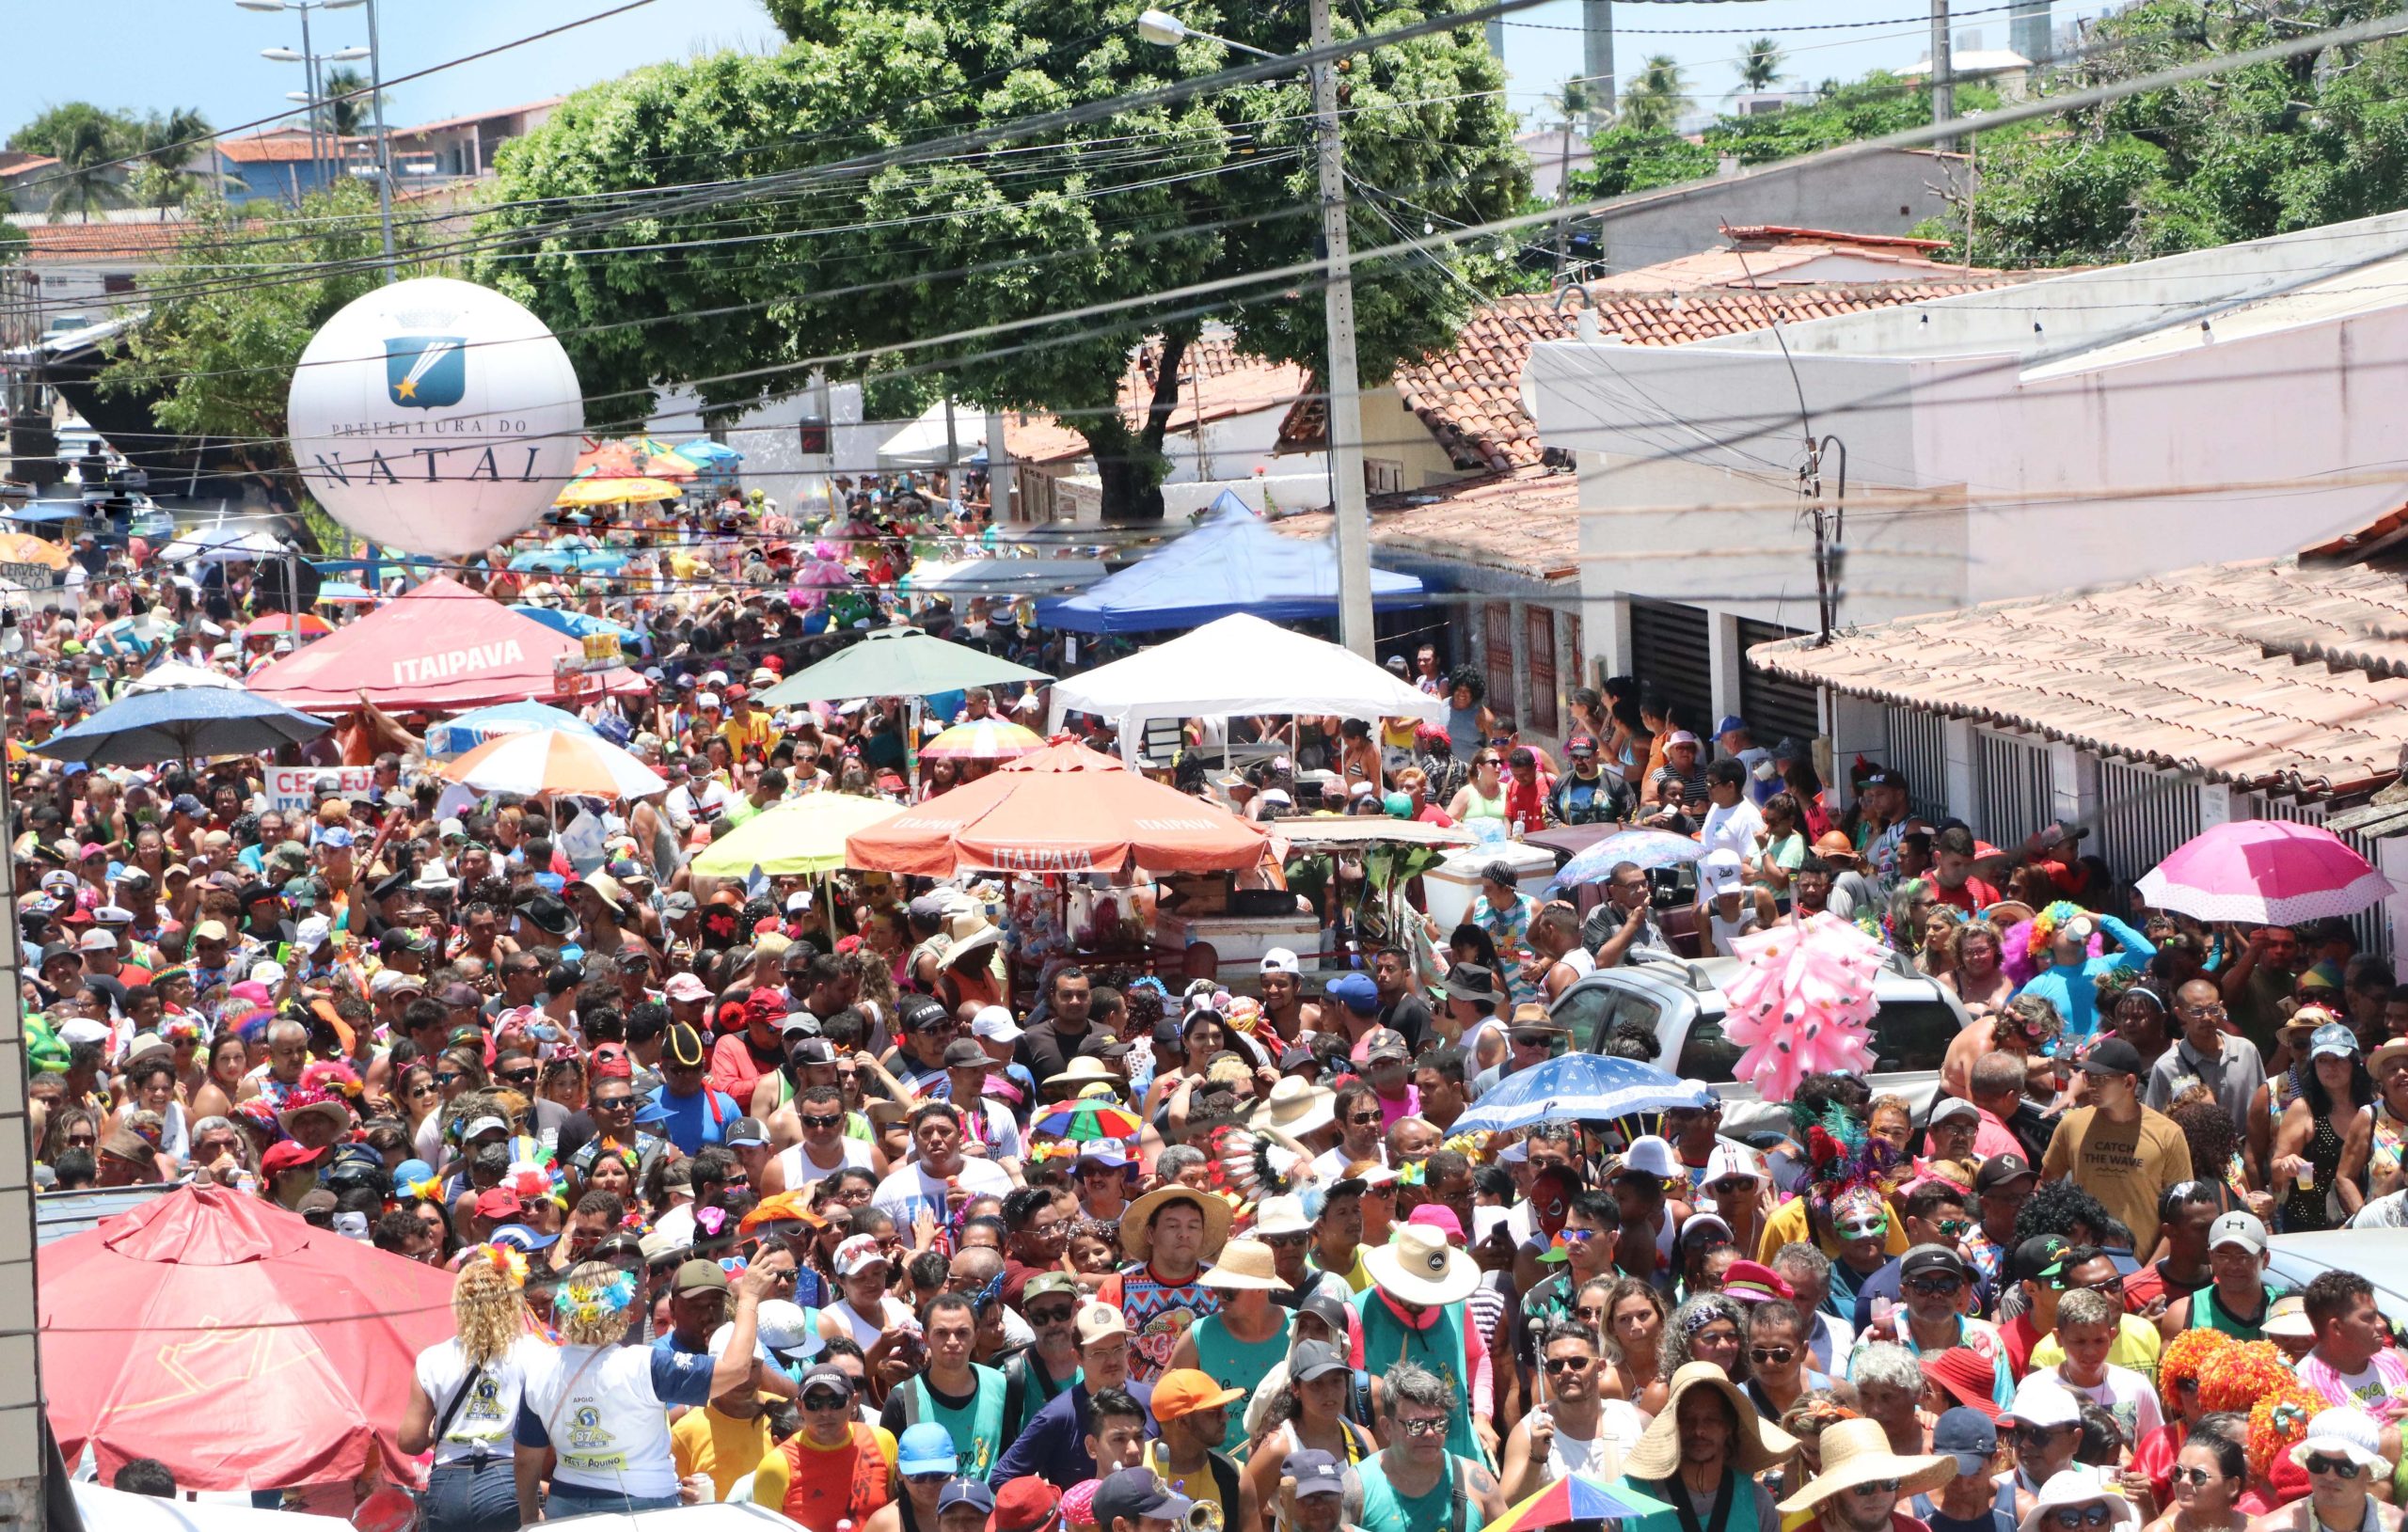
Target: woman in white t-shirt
(463, 1398)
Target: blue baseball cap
(925, 1448)
(520, 1238)
(338, 837)
(966, 1491)
(1356, 992)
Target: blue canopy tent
(1231, 563)
(577, 625)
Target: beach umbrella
(2264, 872)
(1649, 848)
(896, 662)
(26, 548)
(461, 734)
(601, 491)
(702, 450)
(218, 544)
(552, 761)
(577, 625)
(278, 625)
(566, 560)
(799, 838)
(989, 738)
(152, 1321)
(336, 593)
(609, 460)
(1576, 1087)
(182, 723)
(1088, 1122)
(1575, 1497)
(671, 466)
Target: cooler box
(1238, 938)
(1451, 886)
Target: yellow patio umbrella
(615, 492)
(806, 836)
(26, 548)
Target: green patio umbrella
(896, 662)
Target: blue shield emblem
(425, 371)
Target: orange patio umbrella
(1066, 809)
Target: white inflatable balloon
(435, 417)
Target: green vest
(977, 1429)
(1388, 1340)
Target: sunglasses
(1579, 1236)
(1733, 1187)
(1875, 1486)
(1559, 1364)
(1955, 1228)
(2192, 1476)
(1428, 1426)
(1051, 1315)
(1938, 1284)
(1286, 1242)
(1777, 1356)
(517, 1077)
(450, 1077)
(837, 1402)
(2073, 1518)
(615, 1103)
(422, 1090)
(1364, 1119)
(833, 1120)
(926, 1479)
(2318, 1463)
(2038, 1437)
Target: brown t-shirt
(2127, 1166)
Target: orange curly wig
(2237, 1377)
(2278, 1422)
(2186, 1356)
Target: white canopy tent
(921, 444)
(1238, 665)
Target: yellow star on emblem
(405, 389)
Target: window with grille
(2145, 815)
(1918, 746)
(2012, 789)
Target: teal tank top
(1384, 1510)
(1237, 1363)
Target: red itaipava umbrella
(233, 1342)
(1066, 809)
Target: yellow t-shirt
(1788, 1225)
(771, 1480)
(2137, 1343)
(756, 736)
(707, 1441)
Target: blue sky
(153, 54)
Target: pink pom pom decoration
(1801, 1002)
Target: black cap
(684, 1048)
(965, 1054)
(2038, 1259)
(2112, 1056)
(1924, 1259)
(1885, 776)
(1997, 1170)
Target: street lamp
(1341, 375)
(376, 95)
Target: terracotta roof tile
(1527, 523)
(2271, 672)
(284, 147)
(135, 239)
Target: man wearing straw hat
(1700, 1455)
(1414, 1312)
(1171, 1234)
(1862, 1482)
(1249, 1335)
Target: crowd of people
(841, 1199)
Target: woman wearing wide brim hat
(1081, 1072)
(1758, 1444)
(1137, 1223)
(1857, 1453)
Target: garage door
(1668, 652)
(1775, 706)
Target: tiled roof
(288, 147)
(130, 241)
(1041, 438)
(441, 124)
(2284, 673)
(15, 163)
(1470, 397)
(1226, 383)
(1527, 523)
(1769, 234)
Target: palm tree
(1760, 66)
(167, 144)
(1572, 102)
(343, 113)
(88, 175)
(1656, 97)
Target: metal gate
(1918, 746)
(1538, 638)
(2012, 789)
(2373, 926)
(1669, 651)
(2145, 815)
(1775, 706)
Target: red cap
(289, 1156)
(1027, 1504)
(497, 1202)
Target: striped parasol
(552, 761)
(989, 738)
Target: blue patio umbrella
(182, 723)
(701, 449)
(1645, 848)
(1577, 1086)
(459, 735)
(577, 625)
(571, 560)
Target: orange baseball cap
(1182, 1390)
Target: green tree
(167, 142)
(1622, 160)
(1655, 97)
(51, 131)
(1760, 66)
(215, 356)
(88, 177)
(1136, 204)
(343, 113)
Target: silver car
(1681, 1002)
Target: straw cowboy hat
(1757, 1446)
(1417, 1266)
(1084, 1070)
(1243, 1264)
(1857, 1452)
(1296, 1108)
(1137, 1220)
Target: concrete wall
(1233, 448)
(1884, 194)
(773, 445)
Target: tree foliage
(1760, 66)
(216, 352)
(805, 264)
(1623, 160)
(2316, 139)
(1655, 97)
(92, 143)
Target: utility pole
(1597, 60)
(1342, 378)
(1944, 85)
(384, 146)
(317, 100)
